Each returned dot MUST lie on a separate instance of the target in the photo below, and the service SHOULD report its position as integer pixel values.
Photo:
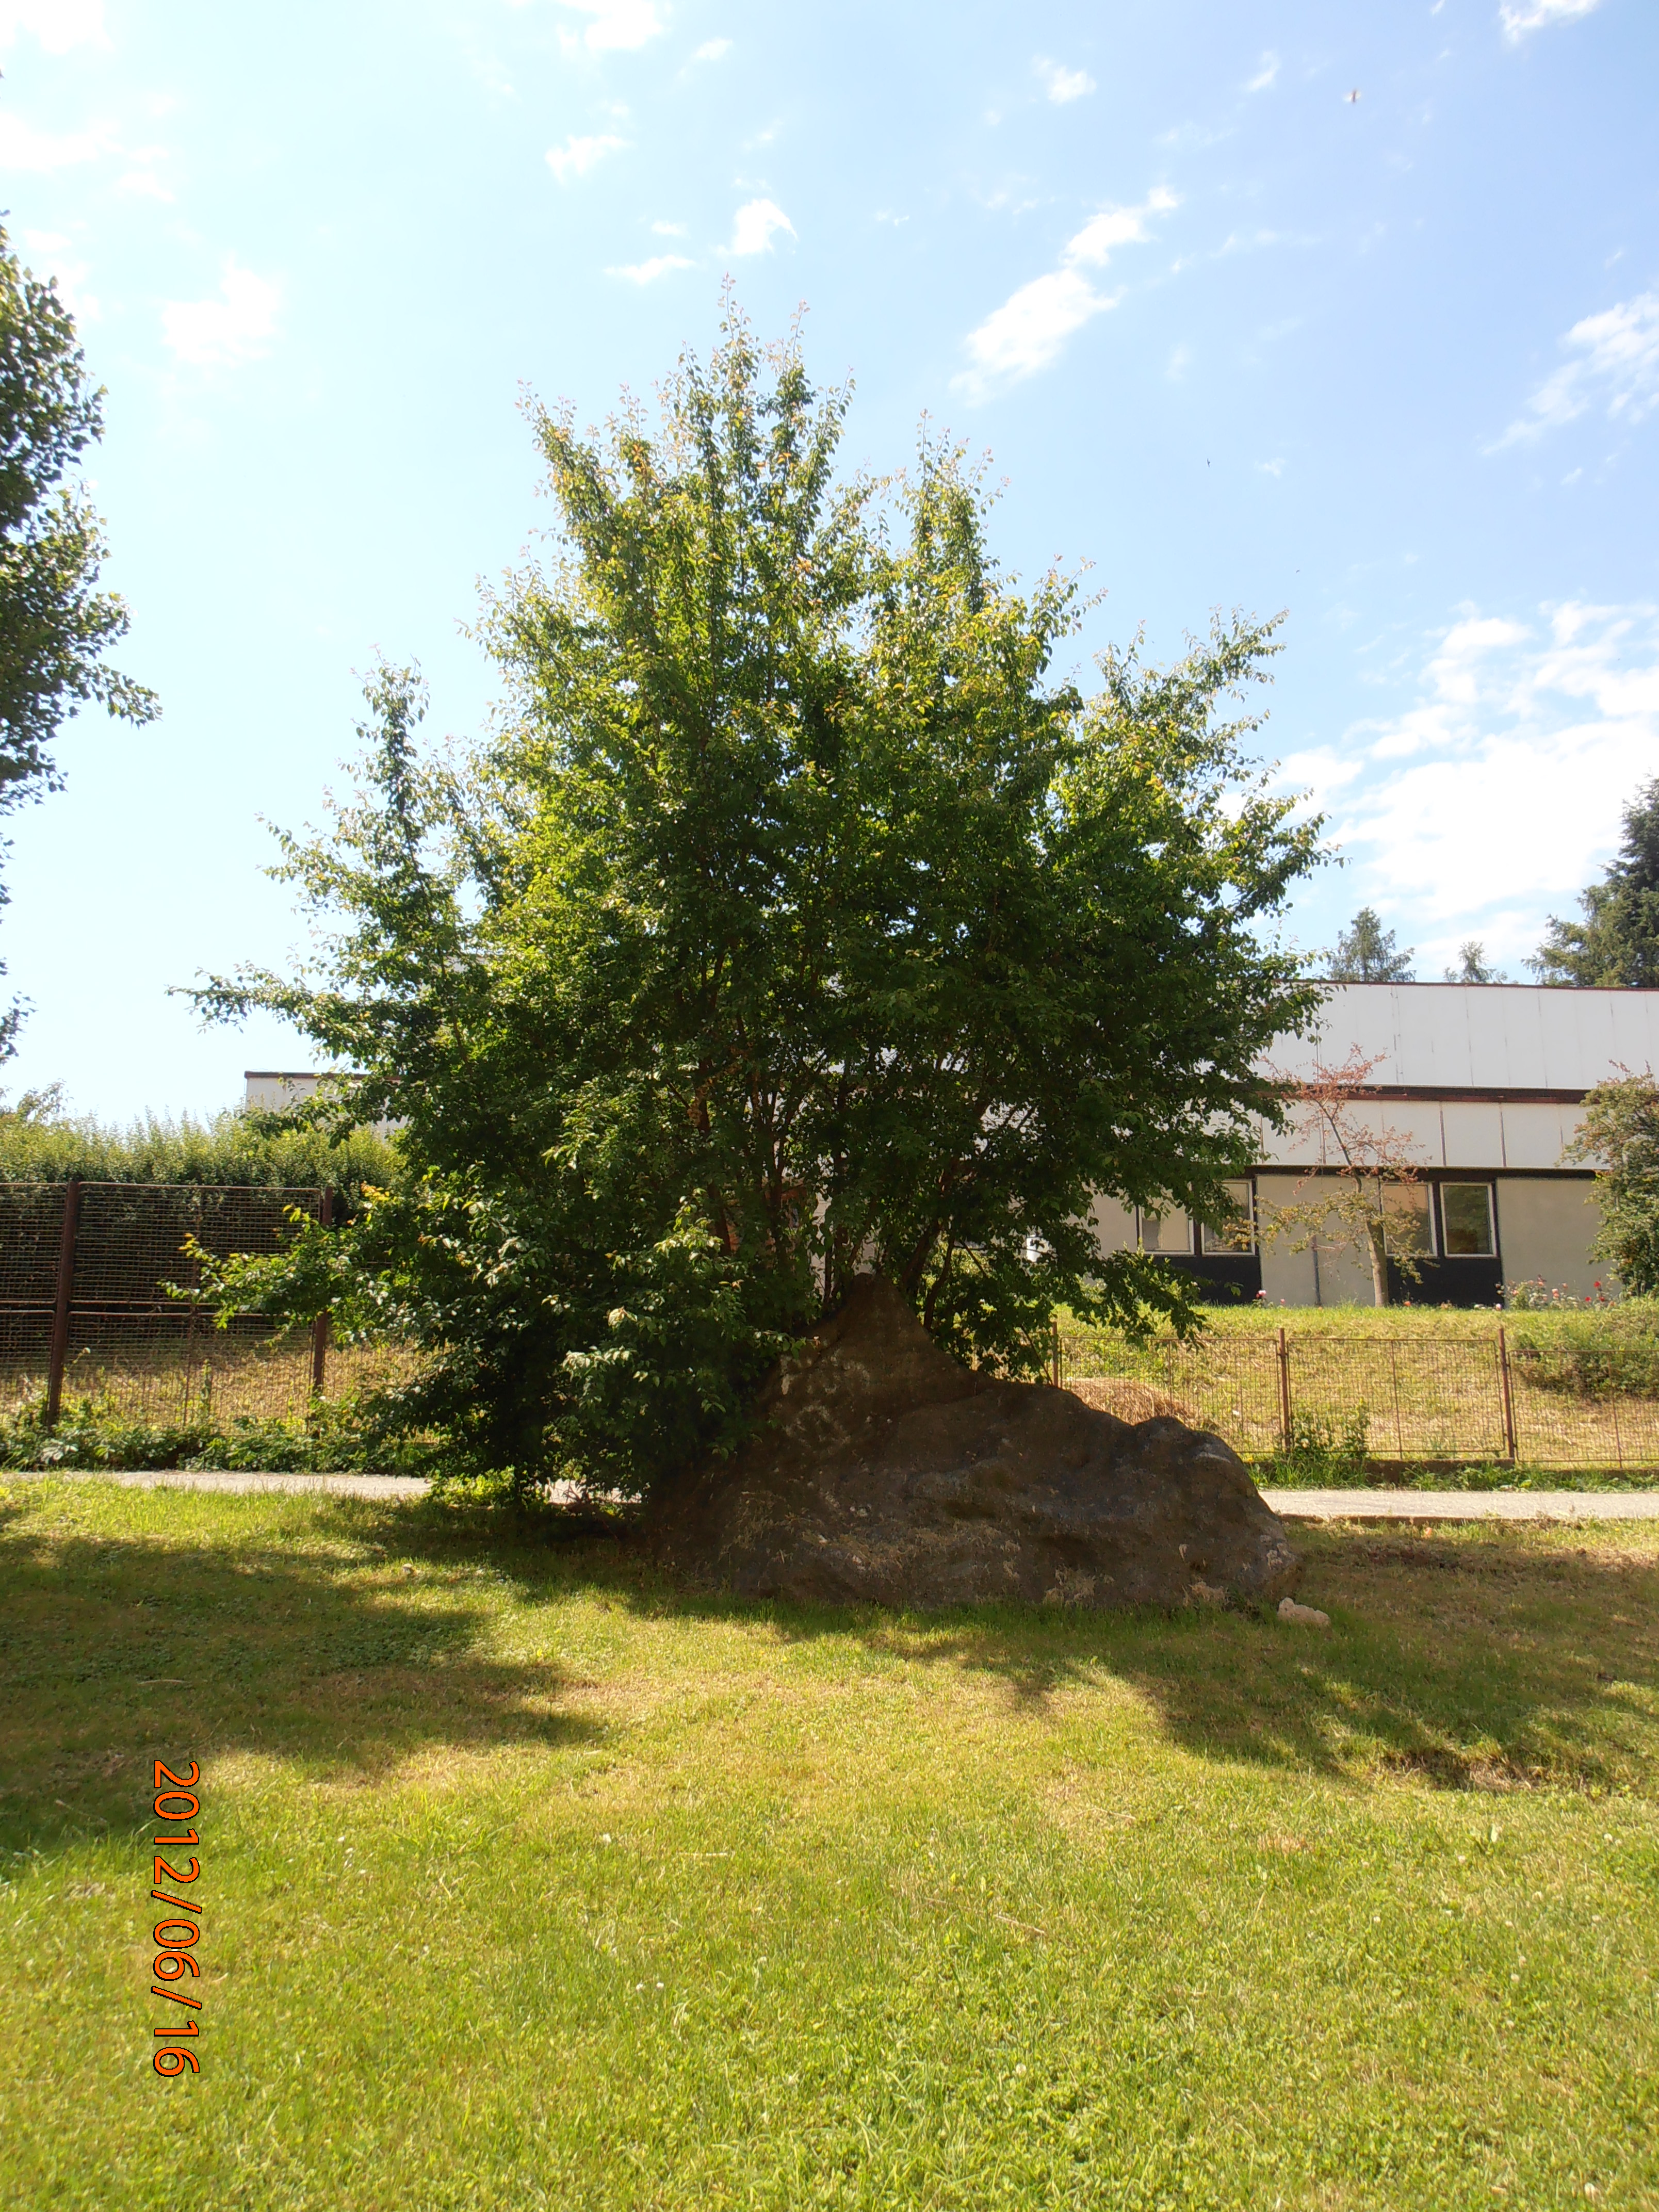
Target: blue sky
(1232, 335)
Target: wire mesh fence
(87, 1310)
(1402, 1400)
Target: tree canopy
(1366, 953)
(1473, 965)
(55, 625)
(795, 920)
(1617, 942)
(1620, 1133)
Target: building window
(1407, 1222)
(1166, 1232)
(1238, 1233)
(1466, 1220)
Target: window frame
(1141, 1217)
(1223, 1251)
(1467, 1183)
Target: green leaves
(792, 922)
(55, 625)
(1619, 1132)
(1617, 942)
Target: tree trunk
(1379, 1263)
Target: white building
(277, 1089)
(274, 1089)
(1484, 1082)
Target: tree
(55, 625)
(1369, 1204)
(794, 924)
(1472, 966)
(1619, 1132)
(1366, 953)
(1617, 942)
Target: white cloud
(220, 334)
(578, 155)
(1114, 227)
(618, 25)
(57, 24)
(143, 184)
(755, 226)
(1265, 75)
(1063, 84)
(1533, 15)
(646, 272)
(668, 229)
(1618, 364)
(1031, 327)
(23, 147)
(1495, 796)
(711, 49)
(1029, 330)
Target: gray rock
(883, 1472)
(1305, 1616)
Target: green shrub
(40, 1143)
(1321, 1454)
(93, 1433)
(1596, 1353)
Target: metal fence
(85, 1310)
(1399, 1400)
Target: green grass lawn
(528, 1883)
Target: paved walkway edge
(1464, 1504)
(1290, 1504)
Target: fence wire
(1392, 1400)
(142, 1354)
(145, 1356)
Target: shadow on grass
(118, 1649)
(1494, 1657)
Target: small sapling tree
(1365, 1195)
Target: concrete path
(1464, 1504)
(337, 1486)
(1292, 1504)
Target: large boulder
(881, 1472)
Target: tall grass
(1594, 1352)
(39, 1143)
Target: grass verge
(526, 1881)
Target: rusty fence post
(319, 1327)
(57, 1357)
(1507, 1395)
(1058, 1356)
(1284, 1392)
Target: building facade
(1482, 1085)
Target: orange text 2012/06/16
(176, 1938)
